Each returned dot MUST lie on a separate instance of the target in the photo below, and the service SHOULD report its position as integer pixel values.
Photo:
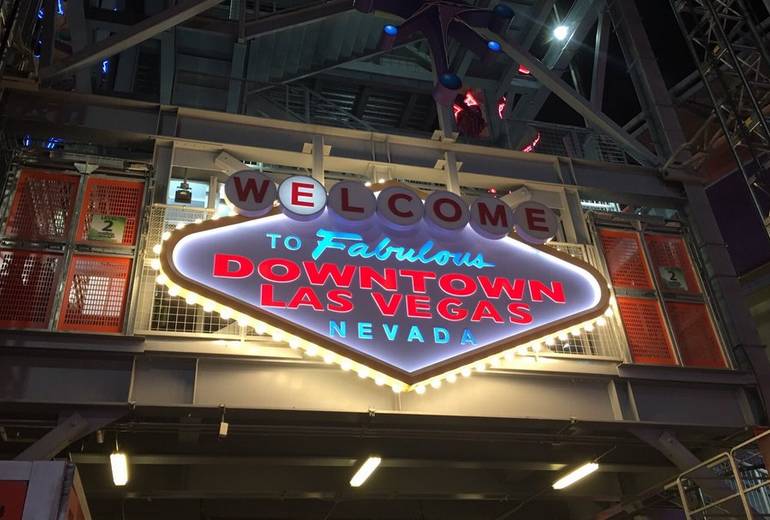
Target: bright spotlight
(578, 474)
(561, 32)
(119, 466)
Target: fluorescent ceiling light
(581, 472)
(365, 471)
(561, 32)
(119, 464)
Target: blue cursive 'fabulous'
(383, 250)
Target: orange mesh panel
(625, 260)
(28, 283)
(672, 265)
(111, 198)
(695, 335)
(42, 206)
(95, 294)
(646, 331)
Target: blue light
(390, 30)
(493, 46)
(53, 142)
(106, 66)
(59, 7)
(26, 141)
(40, 14)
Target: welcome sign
(398, 285)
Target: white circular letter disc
(491, 217)
(446, 210)
(250, 193)
(302, 196)
(400, 205)
(535, 222)
(352, 200)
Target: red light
(492, 191)
(501, 106)
(456, 109)
(531, 146)
(470, 100)
(523, 70)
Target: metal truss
(729, 49)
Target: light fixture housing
(365, 471)
(580, 473)
(561, 32)
(119, 466)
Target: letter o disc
(302, 196)
(352, 200)
(491, 217)
(250, 193)
(535, 223)
(400, 205)
(446, 210)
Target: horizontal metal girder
(138, 33)
(294, 18)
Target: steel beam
(76, 18)
(138, 33)
(555, 84)
(294, 18)
(599, 74)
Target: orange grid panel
(695, 335)
(625, 261)
(669, 255)
(646, 331)
(111, 198)
(28, 282)
(42, 206)
(95, 294)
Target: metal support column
(318, 158)
(167, 66)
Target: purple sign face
(409, 301)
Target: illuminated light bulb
(550, 342)
(601, 322)
(157, 249)
(368, 183)
(480, 366)
(312, 350)
(328, 358)
(465, 372)
(119, 467)
(578, 474)
(451, 378)
(397, 389)
(260, 327)
(215, 217)
(155, 264)
(575, 332)
(208, 306)
(563, 337)
(346, 365)
(536, 347)
(162, 279)
(226, 313)
(379, 380)
(419, 389)
(166, 235)
(191, 299)
(294, 342)
(613, 301)
(243, 320)
(181, 225)
(589, 327)
(436, 383)
(509, 355)
(560, 32)
(173, 290)
(382, 180)
(608, 312)
(363, 373)
(277, 335)
(495, 363)
(198, 221)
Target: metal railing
(738, 482)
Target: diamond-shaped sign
(410, 302)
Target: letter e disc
(250, 193)
(535, 223)
(302, 197)
(446, 210)
(352, 200)
(491, 217)
(400, 205)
